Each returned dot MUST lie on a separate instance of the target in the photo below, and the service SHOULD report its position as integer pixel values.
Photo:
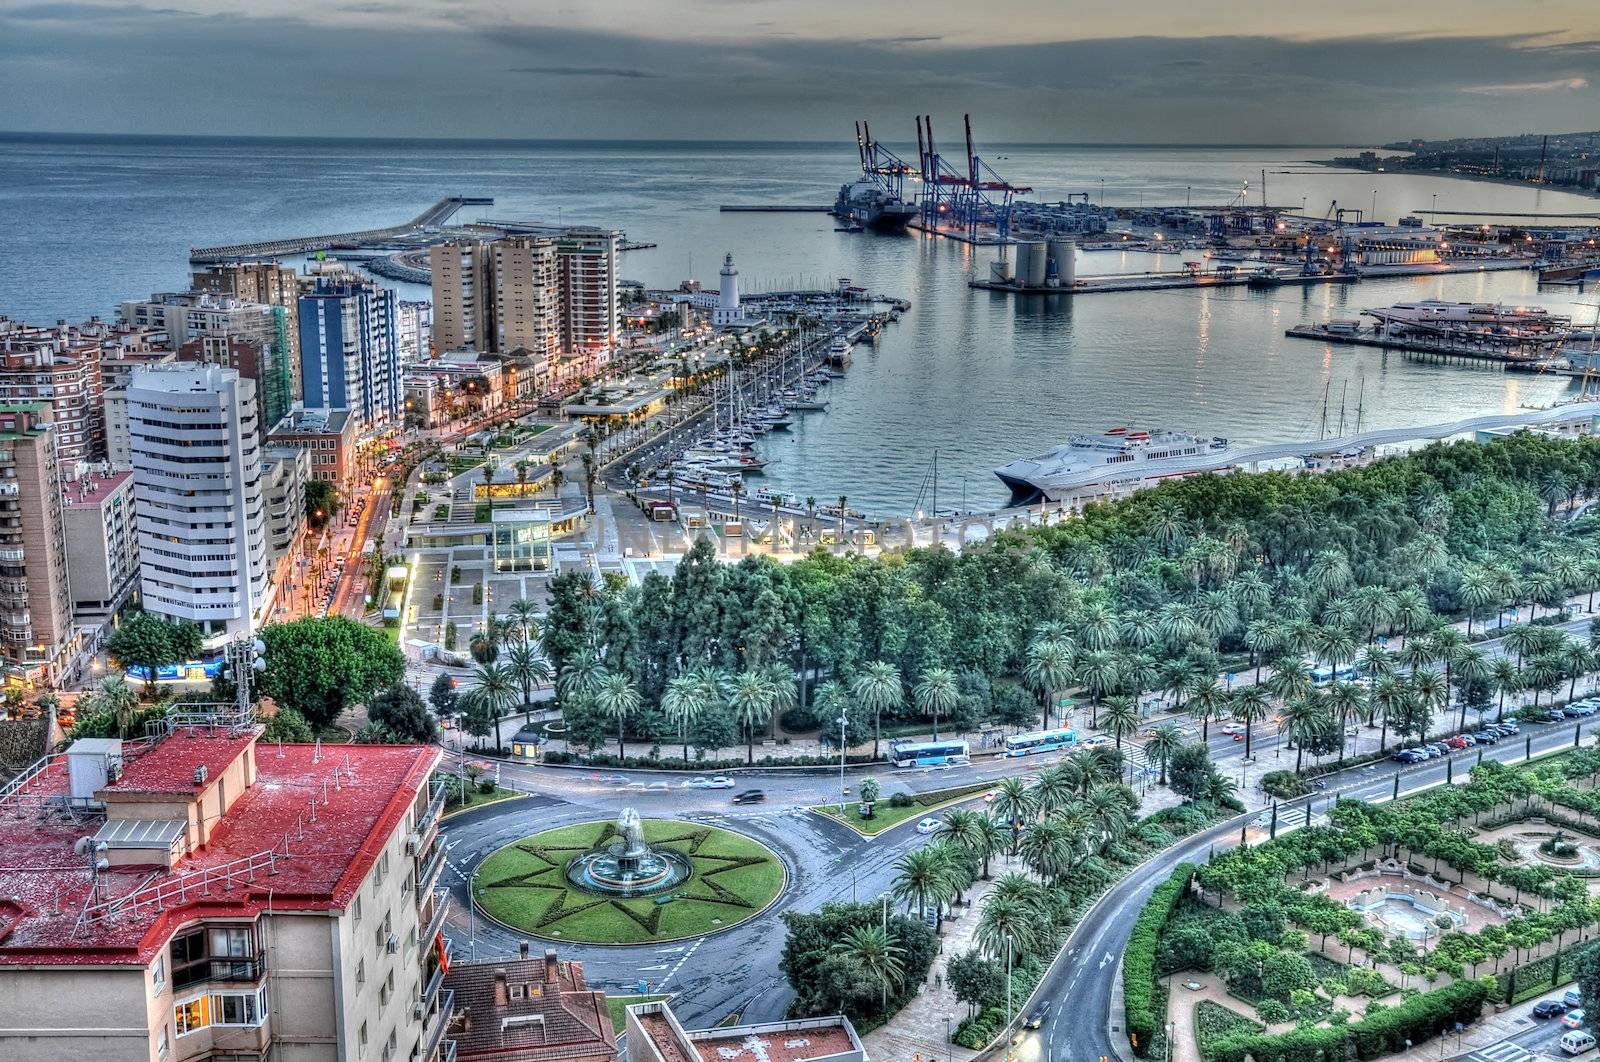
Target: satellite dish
(81, 845)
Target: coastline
(1587, 193)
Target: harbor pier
(432, 218)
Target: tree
(1249, 705)
(442, 697)
(871, 949)
(147, 642)
(322, 502)
(870, 790)
(488, 700)
(922, 879)
(751, 697)
(527, 667)
(1048, 668)
(1120, 717)
(1165, 740)
(1014, 804)
(936, 693)
(826, 979)
(619, 700)
(288, 726)
(319, 666)
(684, 702)
(400, 717)
(876, 689)
(1190, 771)
(975, 980)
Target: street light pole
(843, 720)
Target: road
(1079, 985)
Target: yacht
(1030, 477)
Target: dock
(1160, 282)
(1439, 347)
(775, 208)
(432, 218)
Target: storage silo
(1063, 254)
(1000, 269)
(1032, 261)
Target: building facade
(102, 547)
(528, 1010)
(348, 356)
(36, 632)
(328, 436)
(251, 903)
(590, 309)
(268, 283)
(203, 553)
(59, 366)
(284, 472)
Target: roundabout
(628, 881)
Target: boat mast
(936, 483)
(1322, 432)
(1361, 395)
(1343, 394)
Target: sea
(975, 377)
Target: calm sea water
(982, 378)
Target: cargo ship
(862, 202)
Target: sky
(1061, 71)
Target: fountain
(628, 866)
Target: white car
(930, 825)
(702, 782)
(1095, 741)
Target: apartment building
(238, 901)
(59, 366)
(36, 632)
(284, 472)
(348, 356)
(413, 329)
(268, 283)
(552, 299)
(328, 436)
(117, 368)
(102, 548)
(196, 454)
(590, 309)
(224, 330)
(655, 1035)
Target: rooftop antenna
(316, 751)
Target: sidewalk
(919, 1029)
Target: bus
(927, 753)
(1040, 741)
(394, 590)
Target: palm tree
(1506, 678)
(877, 688)
(752, 696)
(1049, 848)
(1472, 668)
(844, 503)
(1302, 718)
(525, 615)
(1576, 659)
(871, 948)
(1476, 590)
(684, 702)
(1432, 692)
(1054, 787)
(1249, 705)
(490, 465)
(961, 827)
(937, 692)
(1344, 702)
(991, 840)
(580, 677)
(1047, 669)
(1165, 740)
(492, 693)
(1014, 804)
(921, 878)
(617, 698)
(1262, 637)
(1206, 703)
(1100, 673)
(527, 667)
(1121, 717)
(1006, 928)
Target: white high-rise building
(196, 455)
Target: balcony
(220, 970)
(428, 871)
(428, 1048)
(12, 555)
(441, 906)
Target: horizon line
(39, 134)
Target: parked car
(1555, 715)
(1573, 1018)
(1460, 741)
(1485, 736)
(1582, 709)
(1572, 997)
(1405, 756)
(931, 824)
(1040, 1013)
(1508, 727)
(1440, 748)
(749, 796)
(1577, 1042)
(1549, 1008)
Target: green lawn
(885, 817)
(615, 1005)
(477, 799)
(524, 885)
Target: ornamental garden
(537, 885)
(1391, 924)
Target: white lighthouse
(727, 311)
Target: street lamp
(843, 722)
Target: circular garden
(525, 885)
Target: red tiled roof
(321, 871)
(170, 766)
(777, 1045)
(555, 1020)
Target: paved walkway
(919, 1028)
(1181, 1003)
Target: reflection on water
(979, 376)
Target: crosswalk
(1502, 1052)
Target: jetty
(432, 218)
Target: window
(358, 911)
(158, 974)
(361, 971)
(191, 1015)
(163, 1043)
(363, 1038)
(517, 991)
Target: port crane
(886, 169)
(972, 195)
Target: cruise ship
(1048, 474)
(1480, 317)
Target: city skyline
(778, 70)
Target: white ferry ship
(1030, 477)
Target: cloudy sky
(1146, 71)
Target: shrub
(1139, 959)
(1285, 785)
(1272, 1011)
(901, 800)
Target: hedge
(1139, 959)
(1383, 1032)
(731, 763)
